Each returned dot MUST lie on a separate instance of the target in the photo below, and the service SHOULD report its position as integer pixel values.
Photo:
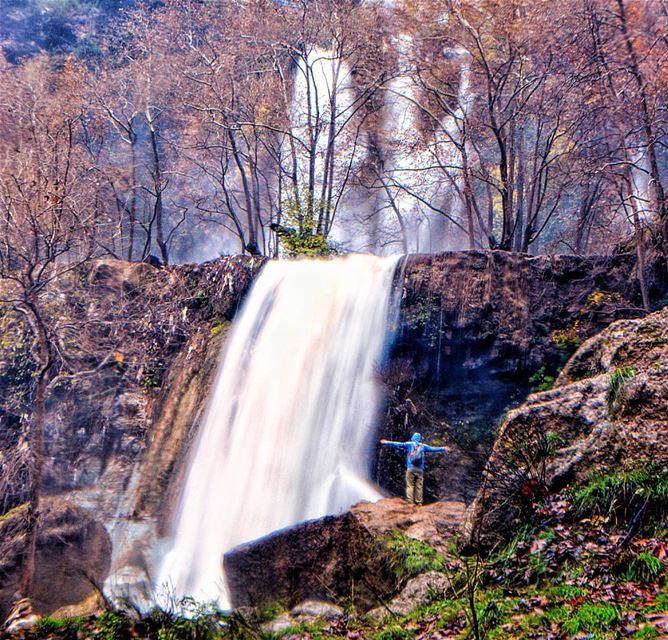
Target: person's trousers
(414, 485)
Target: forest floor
(592, 563)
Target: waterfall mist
(291, 417)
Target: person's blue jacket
(415, 450)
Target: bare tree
(47, 193)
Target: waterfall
(419, 173)
(291, 418)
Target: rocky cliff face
(118, 428)
(474, 328)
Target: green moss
(556, 614)
(410, 557)
(14, 511)
(595, 619)
(63, 628)
(268, 612)
(217, 329)
(153, 375)
(445, 608)
(597, 298)
(547, 534)
(311, 630)
(660, 602)
(395, 632)
(565, 592)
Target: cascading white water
(415, 171)
(292, 414)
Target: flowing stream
(292, 414)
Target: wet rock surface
(73, 557)
(331, 559)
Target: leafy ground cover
(592, 564)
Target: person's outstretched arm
(436, 449)
(392, 443)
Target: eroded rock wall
(146, 344)
(475, 327)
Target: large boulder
(435, 523)
(72, 562)
(607, 411)
(333, 558)
(336, 558)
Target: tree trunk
(132, 213)
(518, 230)
(158, 207)
(251, 245)
(639, 235)
(45, 358)
(656, 186)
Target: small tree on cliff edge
(47, 230)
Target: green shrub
(489, 615)
(645, 567)
(508, 553)
(567, 340)
(112, 625)
(639, 496)
(541, 381)
(193, 621)
(299, 232)
(616, 390)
